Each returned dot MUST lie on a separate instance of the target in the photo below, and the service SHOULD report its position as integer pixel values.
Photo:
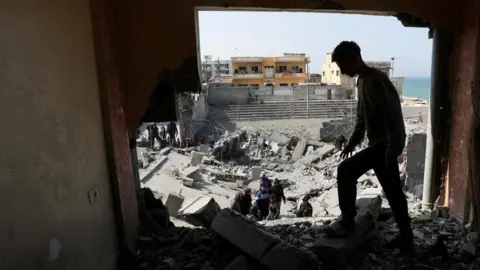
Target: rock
(173, 204)
(333, 252)
(197, 158)
(441, 212)
(201, 212)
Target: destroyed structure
(211, 236)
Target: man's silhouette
(379, 113)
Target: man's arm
(359, 129)
(392, 115)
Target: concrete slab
(315, 143)
(244, 234)
(372, 191)
(190, 171)
(256, 172)
(154, 167)
(197, 158)
(173, 204)
(321, 152)
(299, 150)
(201, 212)
(333, 252)
(285, 256)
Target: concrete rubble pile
(305, 166)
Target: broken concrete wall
(218, 96)
(199, 114)
(330, 130)
(49, 87)
(415, 162)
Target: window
(324, 73)
(242, 85)
(226, 66)
(255, 69)
(337, 72)
(332, 72)
(295, 69)
(282, 69)
(284, 84)
(254, 85)
(300, 70)
(242, 70)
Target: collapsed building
(77, 204)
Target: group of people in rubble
(267, 201)
(164, 136)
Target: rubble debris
(201, 212)
(334, 252)
(260, 245)
(299, 150)
(173, 204)
(256, 172)
(332, 129)
(154, 167)
(197, 158)
(191, 172)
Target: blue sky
(224, 34)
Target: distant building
(287, 70)
(331, 74)
(212, 69)
(383, 66)
(315, 78)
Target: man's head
(247, 191)
(306, 198)
(276, 182)
(348, 57)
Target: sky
(225, 34)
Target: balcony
(289, 75)
(248, 75)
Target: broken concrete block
(315, 143)
(187, 181)
(242, 262)
(285, 256)
(269, 250)
(299, 150)
(197, 158)
(201, 212)
(165, 151)
(174, 203)
(191, 172)
(207, 160)
(333, 252)
(244, 234)
(256, 172)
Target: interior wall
(464, 63)
(53, 150)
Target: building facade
(383, 66)
(282, 71)
(211, 69)
(331, 74)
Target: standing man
(242, 202)
(276, 197)
(379, 114)
(172, 132)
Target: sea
(417, 87)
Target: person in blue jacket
(263, 196)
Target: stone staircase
(318, 109)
